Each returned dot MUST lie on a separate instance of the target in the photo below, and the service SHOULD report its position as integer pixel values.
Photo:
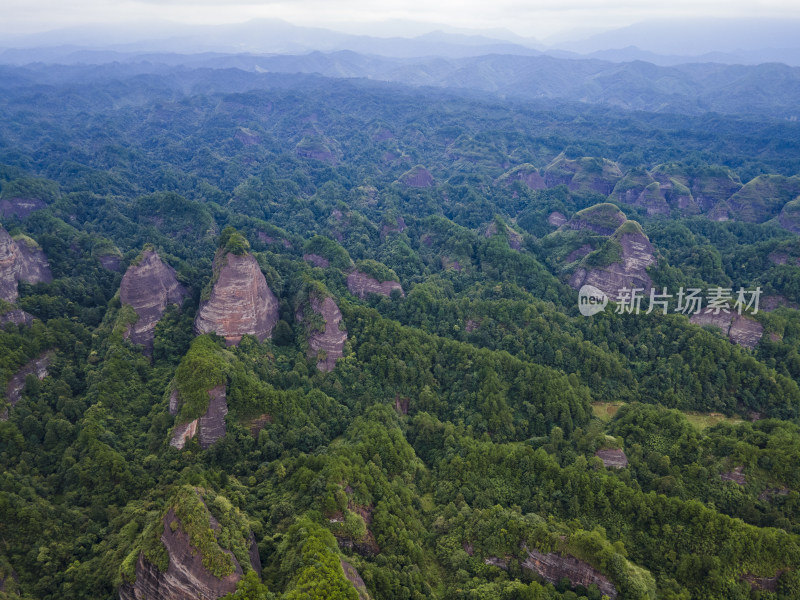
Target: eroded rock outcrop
(316, 260)
(526, 174)
(149, 286)
(20, 260)
(612, 458)
(586, 174)
(185, 575)
(36, 367)
(355, 579)
(763, 198)
(209, 428)
(556, 219)
(362, 285)
(789, 218)
(16, 316)
(628, 269)
(739, 329)
(602, 219)
(327, 344)
(418, 177)
(240, 302)
(20, 207)
(553, 567)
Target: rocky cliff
(602, 219)
(789, 218)
(240, 302)
(187, 575)
(37, 367)
(526, 174)
(763, 198)
(739, 329)
(20, 260)
(326, 344)
(586, 174)
(209, 428)
(418, 177)
(149, 286)
(553, 567)
(612, 458)
(630, 257)
(362, 285)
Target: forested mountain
(284, 336)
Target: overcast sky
(536, 18)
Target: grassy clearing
(605, 411)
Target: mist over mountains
(728, 41)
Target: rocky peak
(20, 260)
(526, 174)
(417, 177)
(586, 174)
(240, 301)
(210, 427)
(602, 219)
(362, 285)
(149, 286)
(326, 344)
(553, 568)
(630, 253)
(189, 573)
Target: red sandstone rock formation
(20, 260)
(240, 302)
(361, 285)
(327, 345)
(185, 577)
(149, 287)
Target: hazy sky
(538, 18)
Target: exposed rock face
(763, 198)
(149, 287)
(556, 219)
(586, 174)
(769, 584)
(37, 367)
(398, 227)
(16, 316)
(20, 207)
(613, 458)
(740, 329)
(770, 303)
(330, 342)
(212, 424)
(552, 568)
(710, 189)
(578, 253)
(186, 577)
(240, 302)
(316, 260)
(355, 579)
(737, 476)
(111, 262)
(182, 434)
(418, 177)
(630, 272)
(361, 285)
(789, 218)
(20, 261)
(602, 219)
(210, 427)
(526, 174)
(514, 238)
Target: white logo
(591, 300)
